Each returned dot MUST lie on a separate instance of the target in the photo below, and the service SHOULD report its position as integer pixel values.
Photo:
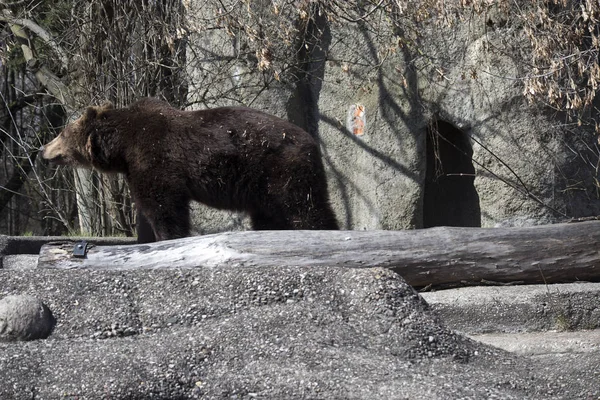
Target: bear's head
(77, 144)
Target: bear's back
(244, 122)
(238, 124)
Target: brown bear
(231, 158)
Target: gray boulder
(24, 317)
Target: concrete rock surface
(271, 333)
(519, 308)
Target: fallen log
(442, 255)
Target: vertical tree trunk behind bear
(83, 178)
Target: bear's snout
(53, 152)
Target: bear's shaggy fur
(231, 158)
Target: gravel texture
(244, 333)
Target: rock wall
(410, 139)
(517, 149)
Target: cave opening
(450, 197)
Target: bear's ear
(90, 113)
(95, 150)
(107, 105)
(94, 112)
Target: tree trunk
(443, 255)
(82, 178)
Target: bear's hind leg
(320, 217)
(305, 210)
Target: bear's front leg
(145, 232)
(168, 216)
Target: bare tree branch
(40, 32)
(51, 82)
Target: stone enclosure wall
(410, 139)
